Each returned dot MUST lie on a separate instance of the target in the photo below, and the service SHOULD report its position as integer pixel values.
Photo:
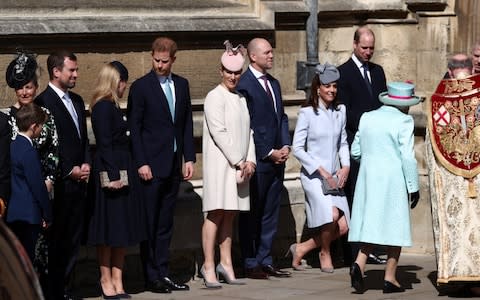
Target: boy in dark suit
(29, 207)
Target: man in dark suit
(5, 136)
(160, 118)
(360, 83)
(68, 110)
(272, 147)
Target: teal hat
(399, 94)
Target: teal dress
(384, 145)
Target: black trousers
(65, 234)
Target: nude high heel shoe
(292, 250)
(209, 285)
(221, 271)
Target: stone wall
(413, 41)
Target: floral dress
(47, 147)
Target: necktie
(267, 89)
(71, 110)
(169, 95)
(365, 77)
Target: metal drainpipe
(305, 70)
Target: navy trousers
(257, 228)
(160, 195)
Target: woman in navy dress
(116, 220)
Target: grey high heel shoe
(221, 271)
(209, 285)
(292, 250)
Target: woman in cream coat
(228, 164)
(320, 144)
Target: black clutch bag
(328, 190)
(105, 181)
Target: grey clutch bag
(327, 190)
(105, 181)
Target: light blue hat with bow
(399, 94)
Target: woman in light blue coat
(388, 174)
(320, 143)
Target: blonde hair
(106, 85)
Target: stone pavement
(417, 273)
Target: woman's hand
(249, 169)
(49, 185)
(342, 175)
(331, 182)
(115, 185)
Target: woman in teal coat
(384, 145)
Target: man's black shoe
(174, 286)
(375, 260)
(157, 286)
(272, 271)
(255, 273)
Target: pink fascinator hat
(232, 59)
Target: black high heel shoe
(356, 277)
(389, 288)
(113, 297)
(124, 296)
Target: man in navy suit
(4, 162)
(160, 118)
(360, 83)
(272, 147)
(68, 110)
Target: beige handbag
(105, 181)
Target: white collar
(357, 61)
(26, 136)
(255, 72)
(58, 91)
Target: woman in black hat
(21, 75)
(116, 222)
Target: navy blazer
(112, 139)
(270, 127)
(29, 200)
(5, 136)
(353, 92)
(152, 129)
(73, 149)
